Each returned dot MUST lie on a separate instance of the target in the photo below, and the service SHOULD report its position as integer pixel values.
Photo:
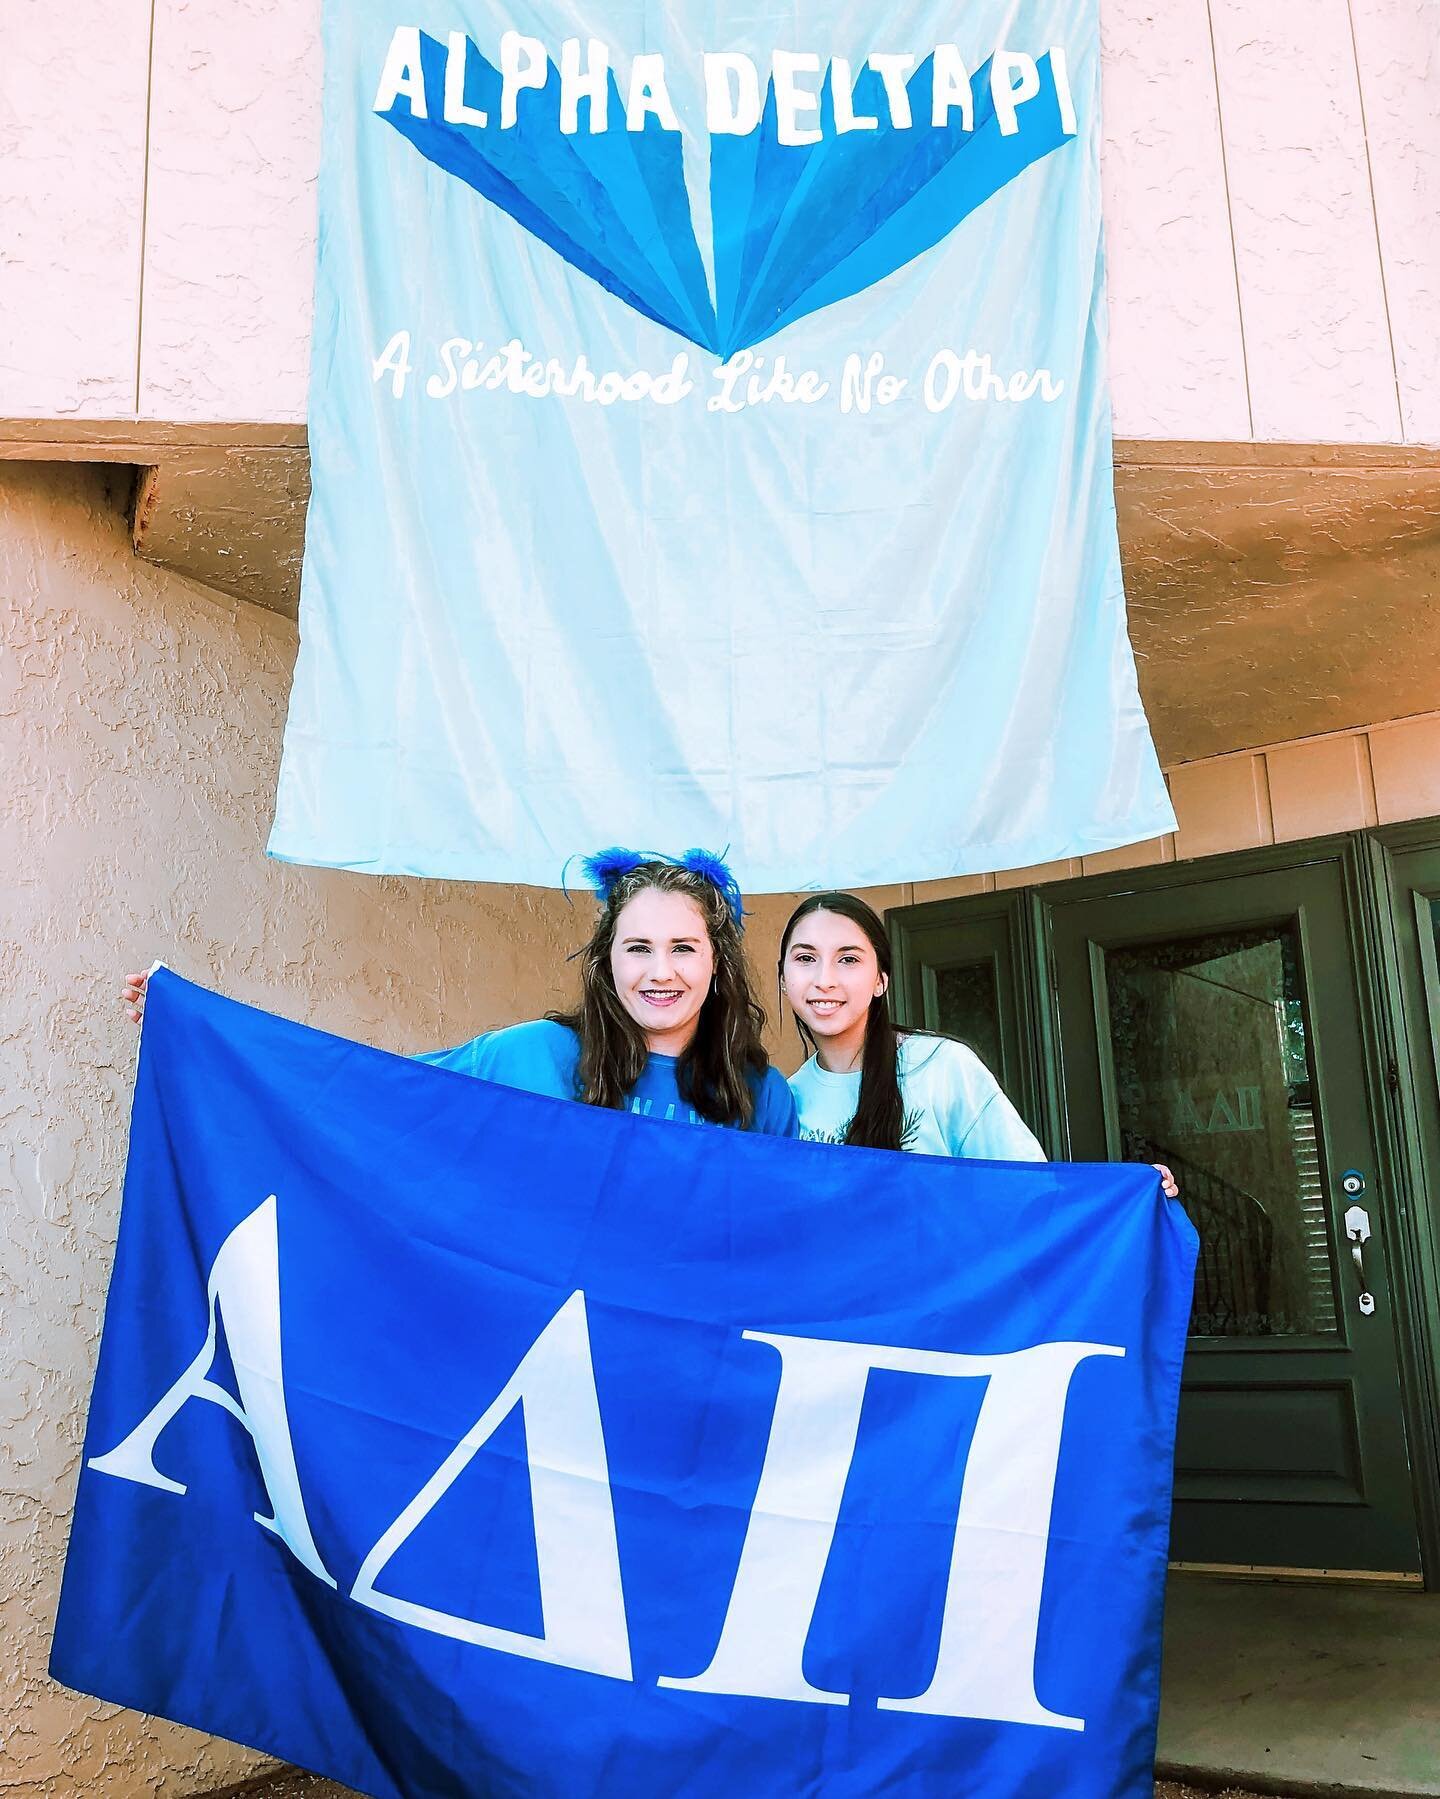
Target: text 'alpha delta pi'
(734, 95)
(985, 1663)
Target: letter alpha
(244, 1289)
(985, 1667)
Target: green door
(1211, 1020)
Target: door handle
(1357, 1229)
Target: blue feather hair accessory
(714, 869)
(606, 868)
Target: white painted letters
(842, 101)
(1008, 94)
(403, 73)
(649, 94)
(456, 111)
(791, 99)
(951, 88)
(731, 112)
(592, 84)
(1060, 73)
(394, 361)
(893, 70)
(734, 91)
(523, 63)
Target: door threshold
(1301, 1576)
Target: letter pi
(985, 1667)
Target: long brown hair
(712, 1072)
(879, 1121)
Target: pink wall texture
(1272, 177)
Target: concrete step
(1331, 1691)
(1325, 1692)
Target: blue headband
(607, 868)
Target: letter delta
(985, 1660)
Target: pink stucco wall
(1272, 177)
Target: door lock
(1357, 1229)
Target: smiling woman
(666, 1024)
(866, 1083)
(870, 1084)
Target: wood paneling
(1323, 784)
(1034, 877)
(1223, 804)
(1405, 764)
(1130, 855)
(960, 887)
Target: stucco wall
(139, 731)
(1271, 169)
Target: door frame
(1413, 1068)
(1386, 1049)
(913, 928)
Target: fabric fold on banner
(710, 444)
(450, 1440)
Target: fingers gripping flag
(451, 1440)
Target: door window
(967, 1006)
(1211, 1055)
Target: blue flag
(711, 444)
(449, 1440)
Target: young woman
(866, 1082)
(665, 1024)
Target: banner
(711, 445)
(448, 1440)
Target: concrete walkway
(1322, 1690)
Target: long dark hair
(879, 1121)
(712, 1071)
